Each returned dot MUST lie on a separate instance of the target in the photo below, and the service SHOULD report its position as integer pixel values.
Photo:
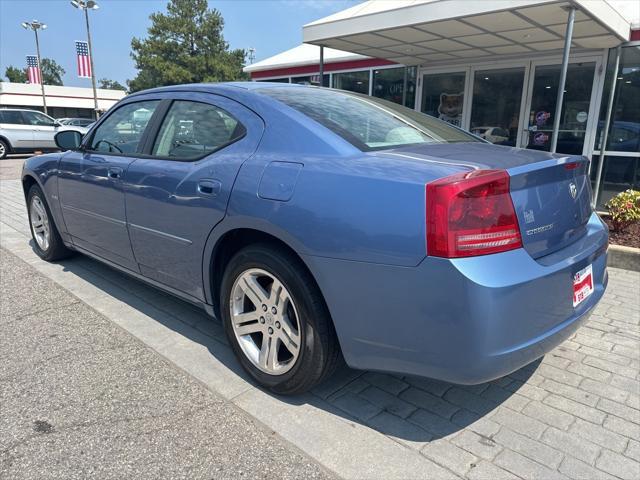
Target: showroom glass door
(497, 104)
(576, 108)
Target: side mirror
(68, 139)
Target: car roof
(216, 87)
(243, 92)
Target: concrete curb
(624, 257)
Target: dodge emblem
(573, 190)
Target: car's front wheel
(47, 242)
(276, 320)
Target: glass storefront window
(620, 172)
(575, 108)
(495, 111)
(443, 96)
(277, 80)
(389, 84)
(312, 80)
(625, 115)
(353, 81)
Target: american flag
(33, 71)
(84, 63)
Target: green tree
(52, 73)
(16, 75)
(185, 45)
(111, 84)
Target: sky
(269, 26)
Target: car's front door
(180, 192)
(43, 127)
(91, 183)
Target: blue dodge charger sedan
(319, 224)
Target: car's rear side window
(192, 130)
(12, 117)
(368, 123)
(122, 131)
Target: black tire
(56, 249)
(319, 353)
(4, 149)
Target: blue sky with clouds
(270, 26)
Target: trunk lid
(552, 199)
(551, 193)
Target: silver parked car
(77, 122)
(25, 131)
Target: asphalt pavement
(82, 398)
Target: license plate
(582, 285)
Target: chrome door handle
(209, 188)
(114, 172)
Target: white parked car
(26, 131)
(491, 134)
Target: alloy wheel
(40, 223)
(265, 321)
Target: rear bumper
(465, 320)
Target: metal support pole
(321, 66)
(563, 78)
(404, 87)
(44, 98)
(93, 73)
(604, 134)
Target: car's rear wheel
(4, 149)
(276, 320)
(46, 238)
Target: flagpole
(44, 97)
(93, 75)
(35, 26)
(86, 5)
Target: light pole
(87, 5)
(251, 55)
(35, 25)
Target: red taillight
(571, 165)
(471, 213)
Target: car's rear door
(91, 182)
(16, 129)
(178, 193)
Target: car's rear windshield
(368, 123)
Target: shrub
(624, 209)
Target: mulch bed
(629, 238)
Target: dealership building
(492, 67)
(62, 102)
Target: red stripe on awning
(328, 67)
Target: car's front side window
(192, 130)
(38, 119)
(122, 131)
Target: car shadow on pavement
(413, 411)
